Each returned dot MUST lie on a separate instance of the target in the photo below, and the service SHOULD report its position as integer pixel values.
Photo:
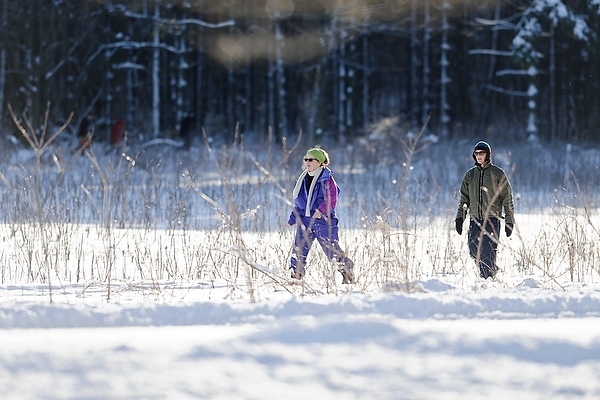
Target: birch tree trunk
(246, 123)
(271, 97)
(314, 102)
(485, 107)
(156, 75)
(365, 80)
(181, 101)
(281, 90)
(415, 66)
(230, 116)
(349, 96)
(132, 106)
(199, 84)
(4, 24)
(532, 92)
(341, 79)
(552, 73)
(248, 102)
(106, 111)
(28, 63)
(426, 72)
(132, 100)
(444, 78)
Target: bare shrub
(153, 219)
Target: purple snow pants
(325, 230)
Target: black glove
(508, 229)
(459, 224)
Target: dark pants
(326, 233)
(483, 245)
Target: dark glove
(508, 229)
(459, 224)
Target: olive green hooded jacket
(485, 192)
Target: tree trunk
(444, 78)
(426, 72)
(4, 24)
(341, 79)
(313, 108)
(349, 96)
(182, 100)
(199, 106)
(485, 106)
(415, 66)
(552, 88)
(282, 125)
(156, 76)
(271, 99)
(365, 80)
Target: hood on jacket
(482, 145)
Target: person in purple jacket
(315, 198)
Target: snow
(170, 340)
(235, 327)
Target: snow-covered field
(171, 341)
(156, 308)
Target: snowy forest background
(506, 69)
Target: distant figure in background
(315, 198)
(85, 132)
(485, 192)
(117, 134)
(186, 131)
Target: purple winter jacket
(324, 199)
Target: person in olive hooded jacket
(485, 194)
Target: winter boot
(347, 277)
(296, 273)
(346, 269)
(488, 272)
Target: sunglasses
(480, 152)
(310, 159)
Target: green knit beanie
(320, 154)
